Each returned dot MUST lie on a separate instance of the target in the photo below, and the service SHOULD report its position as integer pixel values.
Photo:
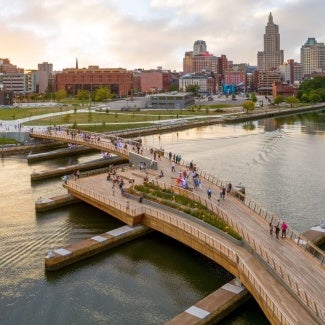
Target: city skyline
(146, 34)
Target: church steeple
(76, 63)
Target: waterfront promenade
(281, 274)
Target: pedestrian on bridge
(277, 231)
(284, 230)
(271, 228)
(209, 192)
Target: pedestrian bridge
(285, 276)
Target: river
(152, 279)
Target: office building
(291, 72)
(206, 83)
(272, 56)
(312, 56)
(200, 60)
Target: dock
(61, 171)
(61, 257)
(63, 152)
(46, 204)
(215, 306)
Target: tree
(278, 99)
(314, 97)
(194, 89)
(101, 94)
(59, 95)
(248, 106)
(312, 90)
(173, 88)
(83, 94)
(253, 98)
(292, 100)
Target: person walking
(277, 231)
(209, 192)
(173, 167)
(271, 228)
(284, 230)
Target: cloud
(144, 33)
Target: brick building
(153, 81)
(283, 89)
(119, 81)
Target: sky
(146, 34)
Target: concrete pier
(103, 162)
(58, 258)
(45, 204)
(214, 307)
(33, 157)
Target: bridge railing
(297, 237)
(197, 234)
(101, 143)
(270, 259)
(81, 138)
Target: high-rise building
(312, 56)
(272, 56)
(200, 60)
(46, 78)
(291, 71)
(199, 47)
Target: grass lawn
(7, 141)
(9, 114)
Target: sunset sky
(149, 33)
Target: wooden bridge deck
(288, 273)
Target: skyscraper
(312, 56)
(272, 56)
(199, 47)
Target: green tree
(314, 97)
(61, 94)
(248, 106)
(292, 100)
(278, 99)
(194, 89)
(101, 94)
(90, 116)
(253, 97)
(173, 88)
(310, 87)
(83, 96)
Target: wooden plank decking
(290, 274)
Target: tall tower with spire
(272, 56)
(77, 63)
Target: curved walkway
(297, 277)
